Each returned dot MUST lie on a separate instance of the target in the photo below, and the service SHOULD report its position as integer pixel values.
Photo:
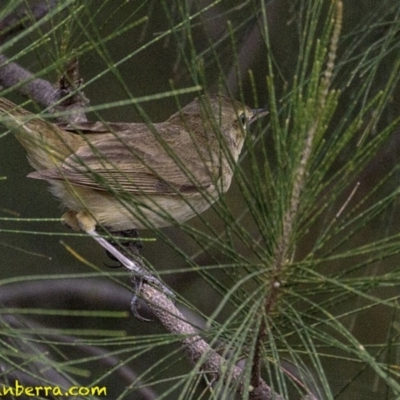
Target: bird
(126, 176)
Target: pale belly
(133, 212)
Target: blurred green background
(153, 70)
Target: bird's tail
(46, 144)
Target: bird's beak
(257, 113)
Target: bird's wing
(137, 160)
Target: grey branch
(197, 349)
(14, 76)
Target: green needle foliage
(293, 275)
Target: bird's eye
(243, 120)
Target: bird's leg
(88, 225)
(131, 247)
(127, 244)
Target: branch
(197, 349)
(11, 74)
(66, 97)
(24, 82)
(20, 18)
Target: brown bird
(133, 175)
(126, 176)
